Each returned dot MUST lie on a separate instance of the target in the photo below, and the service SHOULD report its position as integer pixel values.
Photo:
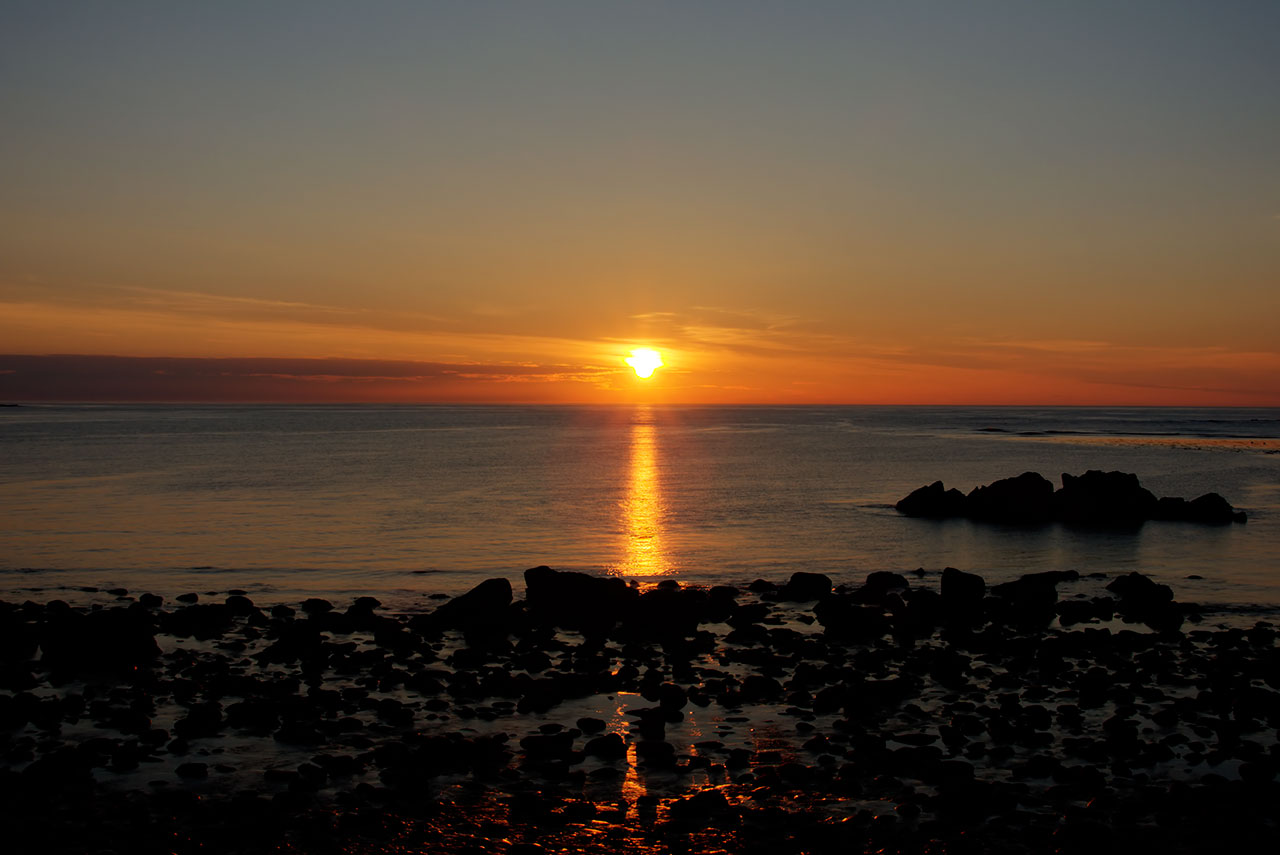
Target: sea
(403, 502)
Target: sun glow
(645, 362)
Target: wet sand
(1054, 714)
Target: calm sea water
(403, 501)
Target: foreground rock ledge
(1094, 498)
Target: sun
(644, 361)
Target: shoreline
(789, 716)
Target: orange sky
(844, 203)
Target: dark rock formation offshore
(1094, 498)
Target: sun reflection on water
(642, 508)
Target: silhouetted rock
(933, 500)
(1030, 601)
(666, 612)
(608, 747)
(1142, 599)
(112, 638)
(1103, 498)
(1141, 591)
(577, 600)
(1028, 498)
(483, 608)
(803, 587)
(845, 618)
(878, 586)
(239, 605)
(962, 593)
(202, 622)
(316, 606)
(1094, 498)
(1212, 508)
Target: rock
(667, 613)
(1137, 590)
(482, 609)
(962, 593)
(935, 501)
(577, 600)
(672, 696)
(1030, 602)
(1094, 498)
(316, 606)
(590, 725)
(611, 746)
(700, 809)
(192, 770)
(202, 622)
(879, 585)
(1212, 508)
(119, 638)
(1142, 599)
(1103, 498)
(547, 747)
(1028, 498)
(366, 605)
(239, 605)
(845, 618)
(803, 587)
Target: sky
(889, 202)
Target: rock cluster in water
(1094, 498)
(891, 716)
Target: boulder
(804, 587)
(1028, 498)
(962, 592)
(879, 585)
(1030, 601)
(111, 639)
(933, 500)
(1140, 591)
(1212, 508)
(1094, 498)
(844, 618)
(577, 600)
(1103, 498)
(482, 609)
(607, 747)
(666, 613)
(1142, 599)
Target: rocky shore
(926, 712)
(1095, 498)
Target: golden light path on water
(642, 508)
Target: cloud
(124, 378)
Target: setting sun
(644, 361)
